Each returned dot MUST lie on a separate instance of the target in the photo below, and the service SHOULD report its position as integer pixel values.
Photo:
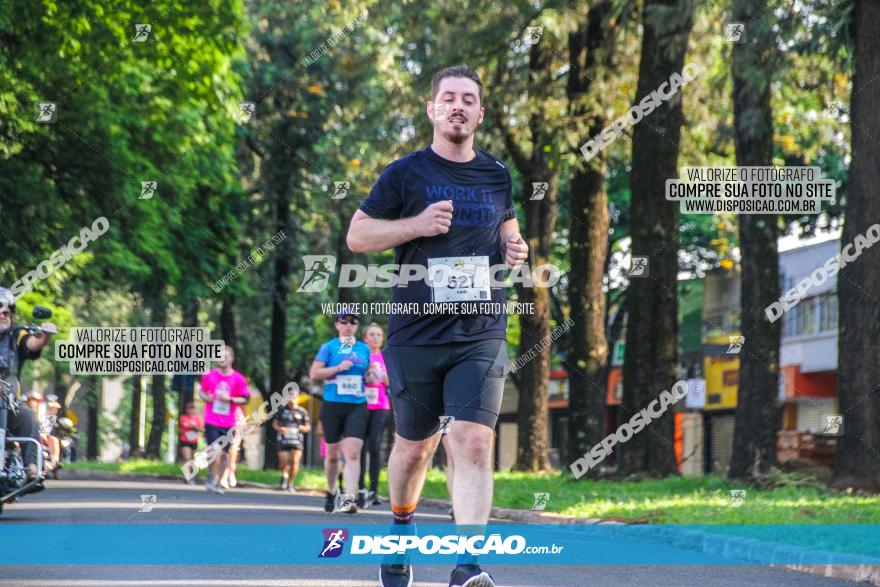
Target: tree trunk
(94, 402)
(157, 389)
(757, 410)
(652, 326)
(227, 321)
(134, 430)
(279, 180)
(858, 285)
(187, 382)
(534, 376)
(588, 237)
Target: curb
(525, 516)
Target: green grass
(675, 500)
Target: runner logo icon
(318, 270)
(334, 540)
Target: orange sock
(403, 514)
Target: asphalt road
(118, 501)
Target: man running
(342, 362)
(222, 388)
(447, 207)
(291, 424)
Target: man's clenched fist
(516, 251)
(435, 219)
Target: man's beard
(457, 138)
(5, 327)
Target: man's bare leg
(472, 484)
(407, 467)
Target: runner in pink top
(375, 383)
(223, 389)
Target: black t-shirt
(481, 196)
(292, 418)
(14, 352)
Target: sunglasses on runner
(351, 321)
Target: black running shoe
(395, 576)
(361, 499)
(470, 576)
(329, 502)
(373, 498)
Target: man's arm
(514, 247)
(35, 341)
(372, 235)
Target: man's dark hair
(455, 71)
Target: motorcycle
(13, 473)
(69, 443)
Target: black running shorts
(464, 380)
(214, 433)
(343, 420)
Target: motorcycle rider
(18, 345)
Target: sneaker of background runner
(395, 575)
(224, 483)
(282, 485)
(346, 503)
(329, 502)
(373, 498)
(361, 500)
(232, 480)
(470, 576)
(209, 484)
(191, 481)
(290, 489)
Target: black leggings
(372, 445)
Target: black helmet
(7, 299)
